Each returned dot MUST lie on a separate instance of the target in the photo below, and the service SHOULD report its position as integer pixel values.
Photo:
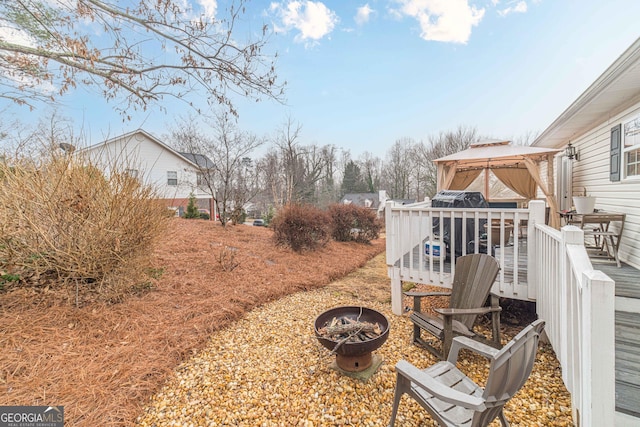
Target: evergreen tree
(352, 181)
(192, 209)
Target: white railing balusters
(578, 304)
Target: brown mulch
(102, 362)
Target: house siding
(152, 160)
(591, 171)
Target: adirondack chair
(452, 399)
(474, 276)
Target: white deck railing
(576, 301)
(578, 304)
(412, 231)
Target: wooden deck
(627, 281)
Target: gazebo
(520, 168)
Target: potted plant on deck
(584, 204)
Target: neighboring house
(603, 126)
(173, 175)
(373, 201)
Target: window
(631, 148)
(200, 181)
(133, 173)
(172, 178)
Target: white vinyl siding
(152, 160)
(592, 172)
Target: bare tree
(398, 168)
(371, 168)
(288, 144)
(327, 192)
(228, 175)
(245, 188)
(299, 173)
(439, 146)
(52, 134)
(526, 139)
(148, 51)
(270, 170)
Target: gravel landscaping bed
(268, 369)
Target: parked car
(204, 213)
(258, 222)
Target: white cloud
(210, 8)
(519, 7)
(442, 20)
(13, 34)
(312, 19)
(363, 14)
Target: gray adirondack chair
(472, 281)
(452, 399)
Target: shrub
(192, 209)
(301, 227)
(354, 223)
(268, 216)
(63, 221)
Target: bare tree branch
(147, 52)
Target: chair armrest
(417, 297)
(436, 388)
(467, 343)
(460, 311)
(427, 294)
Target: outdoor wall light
(571, 152)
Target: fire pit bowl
(352, 356)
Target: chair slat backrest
(472, 283)
(510, 369)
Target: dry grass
(103, 361)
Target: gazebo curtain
(518, 180)
(463, 179)
(522, 181)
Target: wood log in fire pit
(352, 333)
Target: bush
(301, 227)
(63, 221)
(354, 223)
(192, 209)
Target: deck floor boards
(627, 362)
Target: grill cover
(458, 199)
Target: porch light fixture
(571, 152)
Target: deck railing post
(536, 216)
(392, 238)
(598, 355)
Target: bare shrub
(354, 223)
(63, 221)
(301, 227)
(227, 259)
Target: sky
(363, 74)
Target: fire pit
(352, 333)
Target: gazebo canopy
(518, 167)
